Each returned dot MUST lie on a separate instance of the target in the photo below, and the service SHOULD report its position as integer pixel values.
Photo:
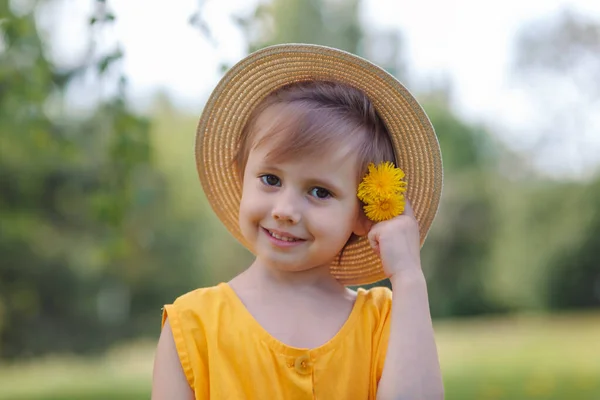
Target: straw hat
(253, 78)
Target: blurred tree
(89, 224)
(456, 254)
(85, 238)
(566, 44)
(557, 60)
(548, 226)
(324, 22)
(574, 274)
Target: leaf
(107, 60)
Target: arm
(168, 379)
(411, 370)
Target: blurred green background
(103, 221)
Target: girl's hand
(397, 242)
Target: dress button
(303, 365)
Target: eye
(320, 193)
(270, 180)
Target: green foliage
(544, 233)
(545, 252)
(85, 236)
(464, 147)
(459, 239)
(102, 220)
(574, 274)
(324, 22)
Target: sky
(469, 41)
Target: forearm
(411, 370)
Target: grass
(123, 373)
(524, 357)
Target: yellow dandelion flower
(381, 182)
(382, 209)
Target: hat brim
(246, 84)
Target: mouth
(285, 237)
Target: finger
(373, 237)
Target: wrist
(413, 276)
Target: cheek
(338, 221)
(249, 216)
(252, 204)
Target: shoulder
(211, 293)
(188, 331)
(376, 302)
(197, 305)
(379, 296)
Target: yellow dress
(226, 354)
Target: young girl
(291, 151)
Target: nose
(287, 208)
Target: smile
(283, 237)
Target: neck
(318, 278)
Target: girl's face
(299, 214)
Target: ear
(362, 225)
